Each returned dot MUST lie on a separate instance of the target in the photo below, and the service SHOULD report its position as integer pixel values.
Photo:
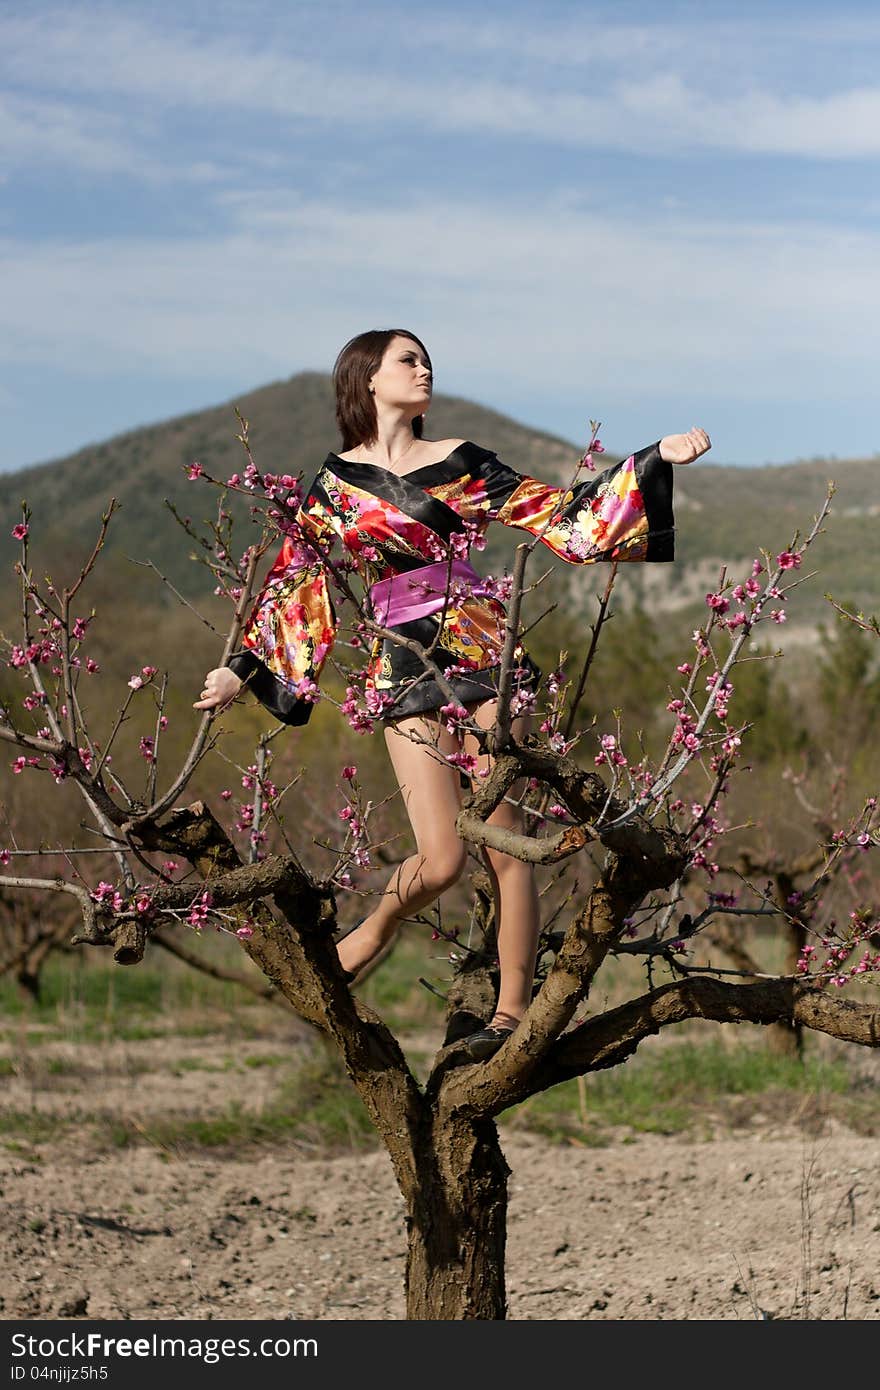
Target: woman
(407, 510)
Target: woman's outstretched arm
(624, 513)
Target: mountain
(724, 513)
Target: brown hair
(356, 363)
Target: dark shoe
(486, 1043)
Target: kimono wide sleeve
(292, 625)
(624, 513)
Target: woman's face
(403, 378)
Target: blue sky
(656, 215)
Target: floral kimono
(394, 531)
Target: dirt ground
(774, 1222)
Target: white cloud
(32, 130)
(553, 298)
(65, 135)
(640, 89)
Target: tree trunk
(457, 1225)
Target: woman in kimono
(407, 511)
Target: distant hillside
(723, 513)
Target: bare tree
(640, 823)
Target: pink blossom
(453, 714)
(225, 794)
(148, 672)
(107, 896)
(195, 471)
(170, 866)
(466, 761)
(19, 765)
(198, 913)
(146, 748)
(17, 657)
(136, 682)
(718, 602)
(558, 811)
(684, 669)
(5, 856)
(523, 702)
(92, 666)
(20, 531)
(349, 773)
(723, 899)
(788, 560)
(79, 628)
(244, 933)
(307, 690)
(778, 615)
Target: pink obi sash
(415, 593)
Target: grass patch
(22, 1151)
(187, 1064)
(316, 1107)
(684, 1086)
(88, 999)
(31, 1127)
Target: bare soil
(775, 1221)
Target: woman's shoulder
(447, 447)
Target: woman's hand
(684, 448)
(220, 689)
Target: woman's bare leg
(430, 790)
(517, 909)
